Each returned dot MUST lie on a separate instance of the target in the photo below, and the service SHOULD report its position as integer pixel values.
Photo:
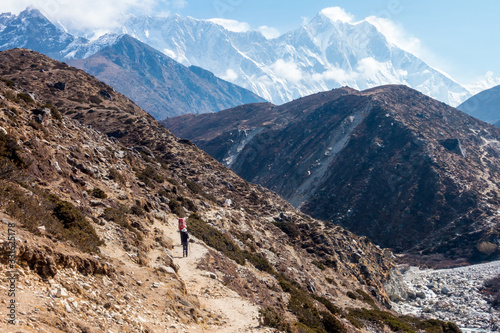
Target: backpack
(182, 224)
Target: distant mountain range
(321, 55)
(390, 163)
(157, 83)
(484, 105)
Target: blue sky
(459, 37)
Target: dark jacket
(184, 236)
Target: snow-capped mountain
(31, 29)
(321, 55)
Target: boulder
(60, 85)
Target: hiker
(184, 241)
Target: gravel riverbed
(451, 295)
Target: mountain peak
(32, 12)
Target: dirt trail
(239, 315)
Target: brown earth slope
(409, 172)
(95, 223)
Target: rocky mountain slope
(390, 163)
(323, 54)
(157, 83)
(92, 187)
(484, 105)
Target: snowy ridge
(319, 56)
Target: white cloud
(269, 32)
(91, 15)
(396, 34)
(230, 75)
(231, 25)
(368, 67)
(338, 14)
(335, 74)
(287, 70)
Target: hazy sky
(459, 37)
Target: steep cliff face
(407, 171)
(83, 169)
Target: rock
(445, 291)
(395, 287)
(78, 180)
(145, 150)
(42, 116)
(454, 145)
(105, 94)
(155, 285)
(61, 293)
(167, 270)
(420, 294)
(122, 196)
(59, 85)
(119, 154)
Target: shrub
(214, 238)
(119, 216)
(149, 174)
(288, 228)
(176, 207)
(95, 99)
(301, 305)
(366, 298)
(269, 317)
(187, 203)
(7, 82)
(77, 228)
(332, 324)
(137, 210)
(116, 176)
(319, 265)
(98, 193)
(26, 98)
(10, 150)
(53, 111)
(223, 243)
(352, 295)
(329, 305)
